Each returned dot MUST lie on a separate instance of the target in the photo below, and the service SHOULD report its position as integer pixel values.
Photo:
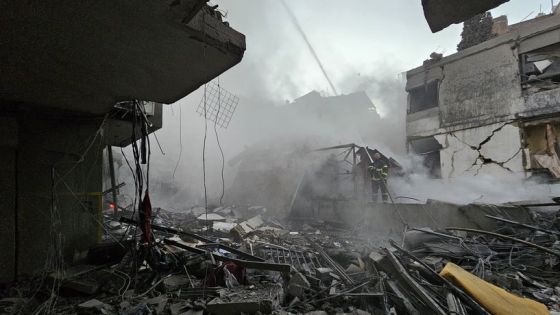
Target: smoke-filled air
(278, 122)
(316, 157)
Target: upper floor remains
(513, 75)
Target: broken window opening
(424, 97)
(430, 149)
(544, 150)
(540, 69)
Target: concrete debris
(442, 13)
(265, 299)
(248, 226)
(95, 306)
(224, 227)
(337, 271)
(211, 217)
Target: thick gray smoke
(277, 68)
(419, 186)
(263, 135)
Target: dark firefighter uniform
(378, 170)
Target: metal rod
(245, 263)
(437, 234)
(462, 295)
(113, 179)
(169, 230)
(551, 204)
(531, 227)
(513, 239)
(291, 258)
(113, 188)
(421, 292)
(298, 260)
(232, 250)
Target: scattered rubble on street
(268, 266)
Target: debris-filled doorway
(542, 148)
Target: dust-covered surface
(268, 265)
(310, 179)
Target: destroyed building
(493, 108)
(269, 171)
(78, 78)
(62, 255)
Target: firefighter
(378, 170)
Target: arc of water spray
(311, 49)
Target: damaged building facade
(493, 108)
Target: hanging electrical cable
(180, 140)
(204, 159)
(218, 142)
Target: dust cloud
(275, 140)
(418, 186)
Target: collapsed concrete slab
(95, 53)
(442, 13)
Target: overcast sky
(353, 37)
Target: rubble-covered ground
(234, 260)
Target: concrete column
(8, 188)
(50, 192)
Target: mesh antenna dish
(220, 105)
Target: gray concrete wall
(481, 85)
(424, 123)
(482, 88)
(57, 157)
(7, 210)
(479, 89)
(500, 154)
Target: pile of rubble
(234, 260)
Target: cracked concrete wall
(491, 150)
(480, 94)
(481, 88)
